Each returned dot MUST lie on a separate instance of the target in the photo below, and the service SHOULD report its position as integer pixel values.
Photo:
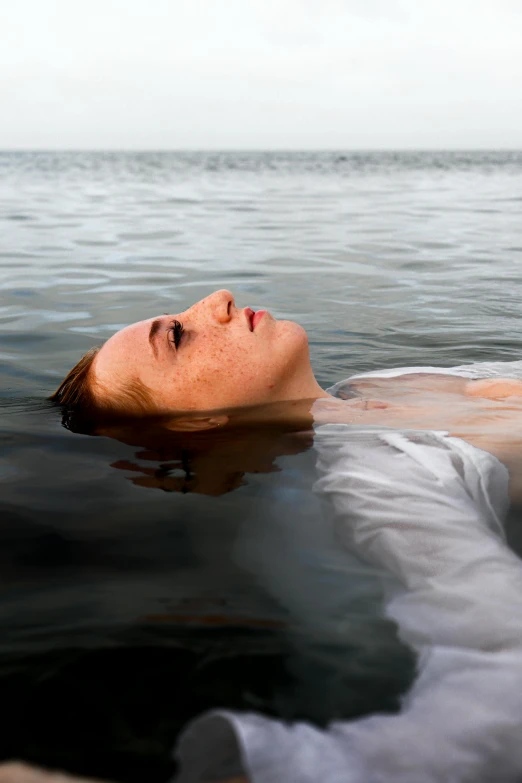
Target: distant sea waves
(386, 257)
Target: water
(133, 609)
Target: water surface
(131, 608)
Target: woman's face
(225, 357)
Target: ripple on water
(390, 259)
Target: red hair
(80, 396)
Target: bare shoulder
(494, 388)
(416, 383)
(410, 383)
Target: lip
(257, 317)
(253, 318)
(249, 313)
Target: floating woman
(417, 465)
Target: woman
(214, 357)
(211, 356)
(423, 506)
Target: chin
(293, 342)
(291, 330)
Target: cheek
(229, 375)
(263, 363)
(217, 367)
(239, 366)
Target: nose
(222, 304)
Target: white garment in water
(472, 371)
(429, 508)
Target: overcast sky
(287, 74)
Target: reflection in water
(189, 455)
(225, 616)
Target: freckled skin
(219, 363)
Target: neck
(290, 414)
(304, 387)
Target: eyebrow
(154, 329)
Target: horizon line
(341, 150)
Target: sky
(260, 74)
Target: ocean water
(132, 609)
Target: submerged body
(426, 509)
(479, 403)
(417, 465)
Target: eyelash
(177, 330)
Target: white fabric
(429, 509)
(476, 370)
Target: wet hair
(76, 390)
(82, 407)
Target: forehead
(131, 338)
(125, 351)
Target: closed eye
(175, 332)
